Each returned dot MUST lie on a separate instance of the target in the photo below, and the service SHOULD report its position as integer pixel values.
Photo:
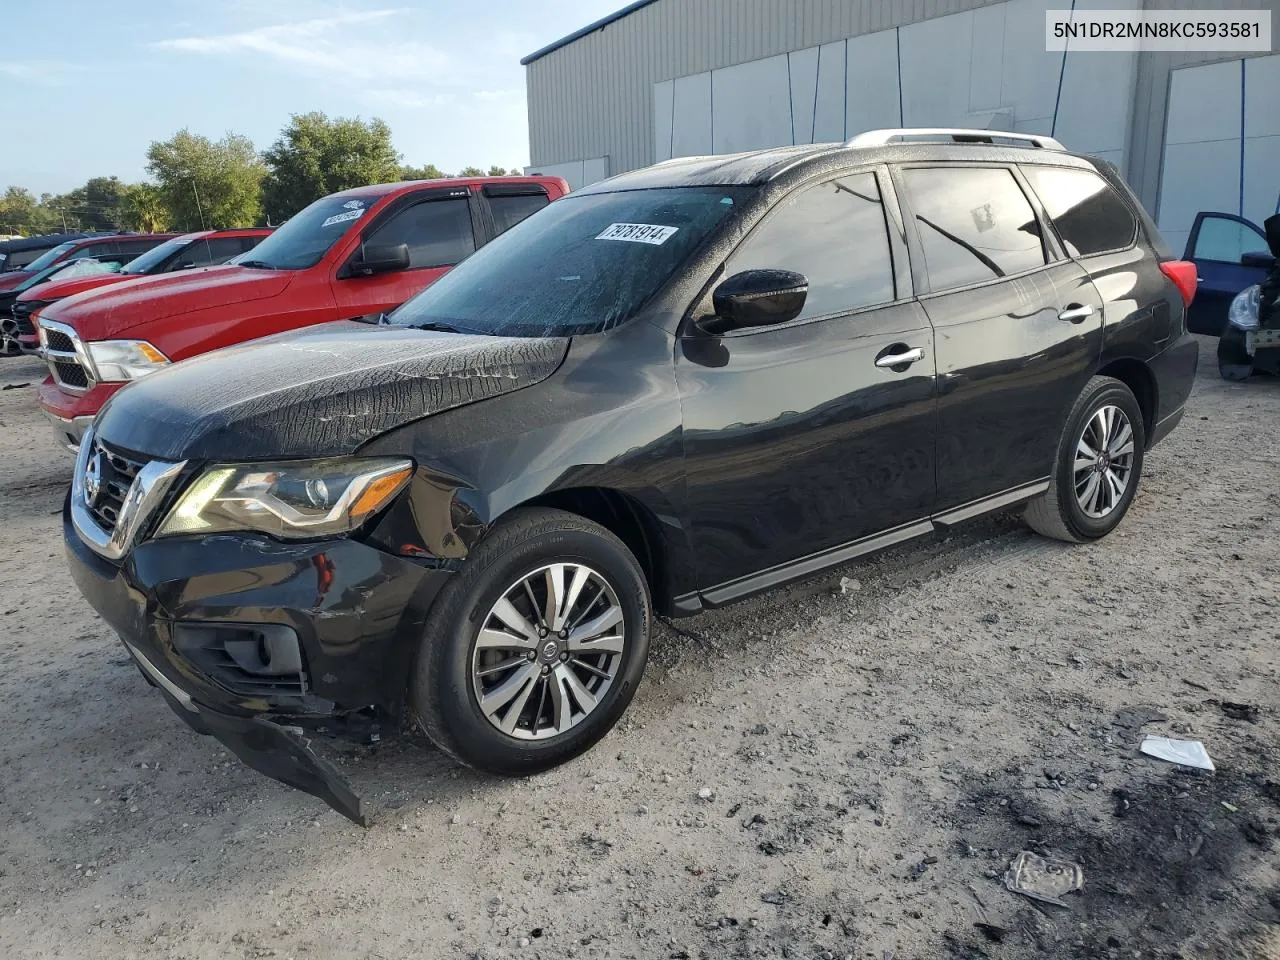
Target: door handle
(1076, 314)
(890, 360)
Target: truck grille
(22, 317)
(116, 473)
(62, 354)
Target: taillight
(1183, 275)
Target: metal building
(664, 78)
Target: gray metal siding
(594, 96)
(1151, 96)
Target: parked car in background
(1250, 341)
(16, 254)
(1230, 254)
(72, 270)
(353, 254)
(671, 390)
(202, 249)
(125, 246)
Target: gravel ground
(819, 772)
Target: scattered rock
(775, 897)
(706, 793)
(993, 933)
(848, 586)
(1240, 711)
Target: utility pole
(199, 209)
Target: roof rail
(878, 138)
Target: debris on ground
(1046, 879)
(1240, 711)
(992, 932)
(15, 386)
(848, 585)
(1186, 753)
(1132, 718)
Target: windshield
(50, 255)
(307, 236)
(155, 256)
(580, 265)
(84, 267)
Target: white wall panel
(1029, 74)
(1204, 103)
(986, 58)
(595, 169)
(935, 70)
(1261, 177)
(828, 114)
(1198, 176)
(691, 116)
(752, 106)
(803, 68)
(1262, 107)
(663, 118)
(1091, 118)
(873, 95)
(578, 173)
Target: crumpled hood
(321, 391)
(102, 314)
(58, 289)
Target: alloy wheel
(548, 651)
(1104, 461)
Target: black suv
(662, 393)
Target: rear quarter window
(1085, 210)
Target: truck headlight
(292, 499)
(117, 360)
(1243, 312)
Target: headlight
(1243, 312)
(291, 500)
(116, 360)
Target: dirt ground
(813, 773)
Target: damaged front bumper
(265, 645)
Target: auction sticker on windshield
(344, 217)
(637, 233)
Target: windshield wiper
(255, 264)
(433, 325)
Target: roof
(764, 166)
(44, 242)
(589, 28)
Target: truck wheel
(1234, 362)
(1097, 467)
(534, 649)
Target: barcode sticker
(637, 233)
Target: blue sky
(89, 84)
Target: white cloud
(338, 46)
(51, 73)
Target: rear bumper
(355, 615)
(1174, 369)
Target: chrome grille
(116, 475)
(65, 355)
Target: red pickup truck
(350, 255)
(201, 249)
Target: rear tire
(1234, 362)
(511, 682)
(1097, 466)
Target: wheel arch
(1137, 376)
(629, 519)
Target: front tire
(535, 649)
(1097, 466)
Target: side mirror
(760, 298)
(371, 260)
(1258, 258)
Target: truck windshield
(583, 264)
(156, 256)
(50, 255)
(307, 236)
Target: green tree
(498, 172)
(427, 172)
(206, 183)
(471, 172)
(21, 212)
(98, 205)
(315, 156)
(144, 209)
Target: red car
(124, 247)
(351, 255)
(201, 249)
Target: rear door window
(437, 232)
(834, 234)
(204, 252)
(1085, 210)
(510, 209)
(974, 224)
